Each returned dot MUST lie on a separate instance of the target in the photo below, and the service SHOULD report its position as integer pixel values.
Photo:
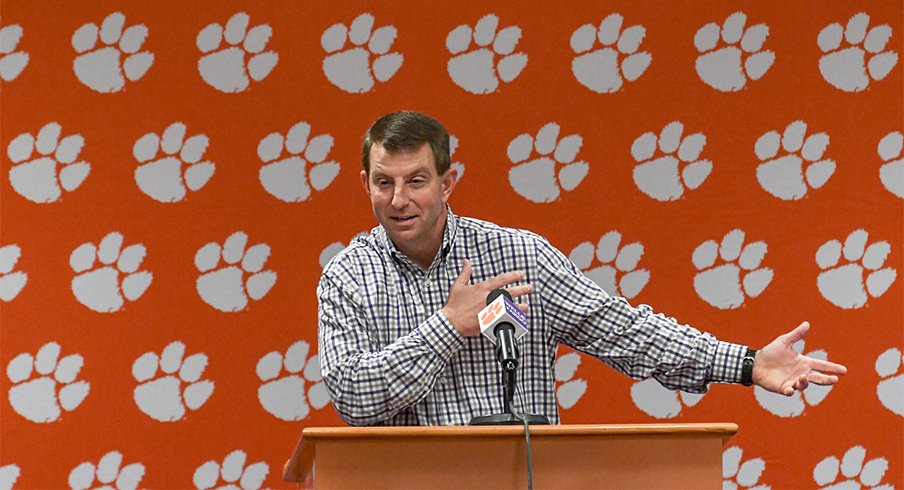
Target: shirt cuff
(727, 362)
(441, 336)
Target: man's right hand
(466, 300)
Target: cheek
(380, 198)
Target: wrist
(747, 367)
(451, 318)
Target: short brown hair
(408, 130)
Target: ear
(365, 182)
(449, 179)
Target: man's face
(409, 199)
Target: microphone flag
(501, 310)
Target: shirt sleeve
(634, 340)
(369, 384)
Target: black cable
(530, 466)
(530, 470)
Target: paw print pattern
(847, 68)
(164, 395)
(477, 70)
(102, 69)
(352, 69)
(283, 394)
(41, 399)
(228, 288)
(618, 274)
(228, 69)
(108, 473)
(660, 402)
(460, 167)
(570, 389)
(678, 167)
(334, 248)
(100, 288)
(8, 476)
(12, 62)
(854, 473)
(741, 475)
(890, 389)
(892, 172)
(165, 179)
(11, 283)
(843, 284)
(728, 68)
(794, 405)
(784, 177)
(605, 69)
(289, 179)
(233, 474)
(722, 285)
(41, 179)
(542, 179)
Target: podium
(564, 456)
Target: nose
(400, 197)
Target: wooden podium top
(299, 467)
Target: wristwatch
(747, 367)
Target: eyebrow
(420, 170)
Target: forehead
(401, 162)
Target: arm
(368, 384)
(633, 340)
(641, 344)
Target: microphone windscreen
(496, 293)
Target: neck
(423, 253)
(423, 258)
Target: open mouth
(402, 219)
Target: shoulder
(505, 242)
(364, 254)
(481, 230)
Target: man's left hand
(778, 368)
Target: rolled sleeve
(727, 362)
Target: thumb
(465, 276)
(798, 333)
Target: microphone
(502, 322)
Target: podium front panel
(475, 459)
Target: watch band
(747, 367)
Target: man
(398, 329)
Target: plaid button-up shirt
(389, 356)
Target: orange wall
(68, 81)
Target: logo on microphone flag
(491, 312)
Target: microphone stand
(509, 369)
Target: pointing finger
(827, 367)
